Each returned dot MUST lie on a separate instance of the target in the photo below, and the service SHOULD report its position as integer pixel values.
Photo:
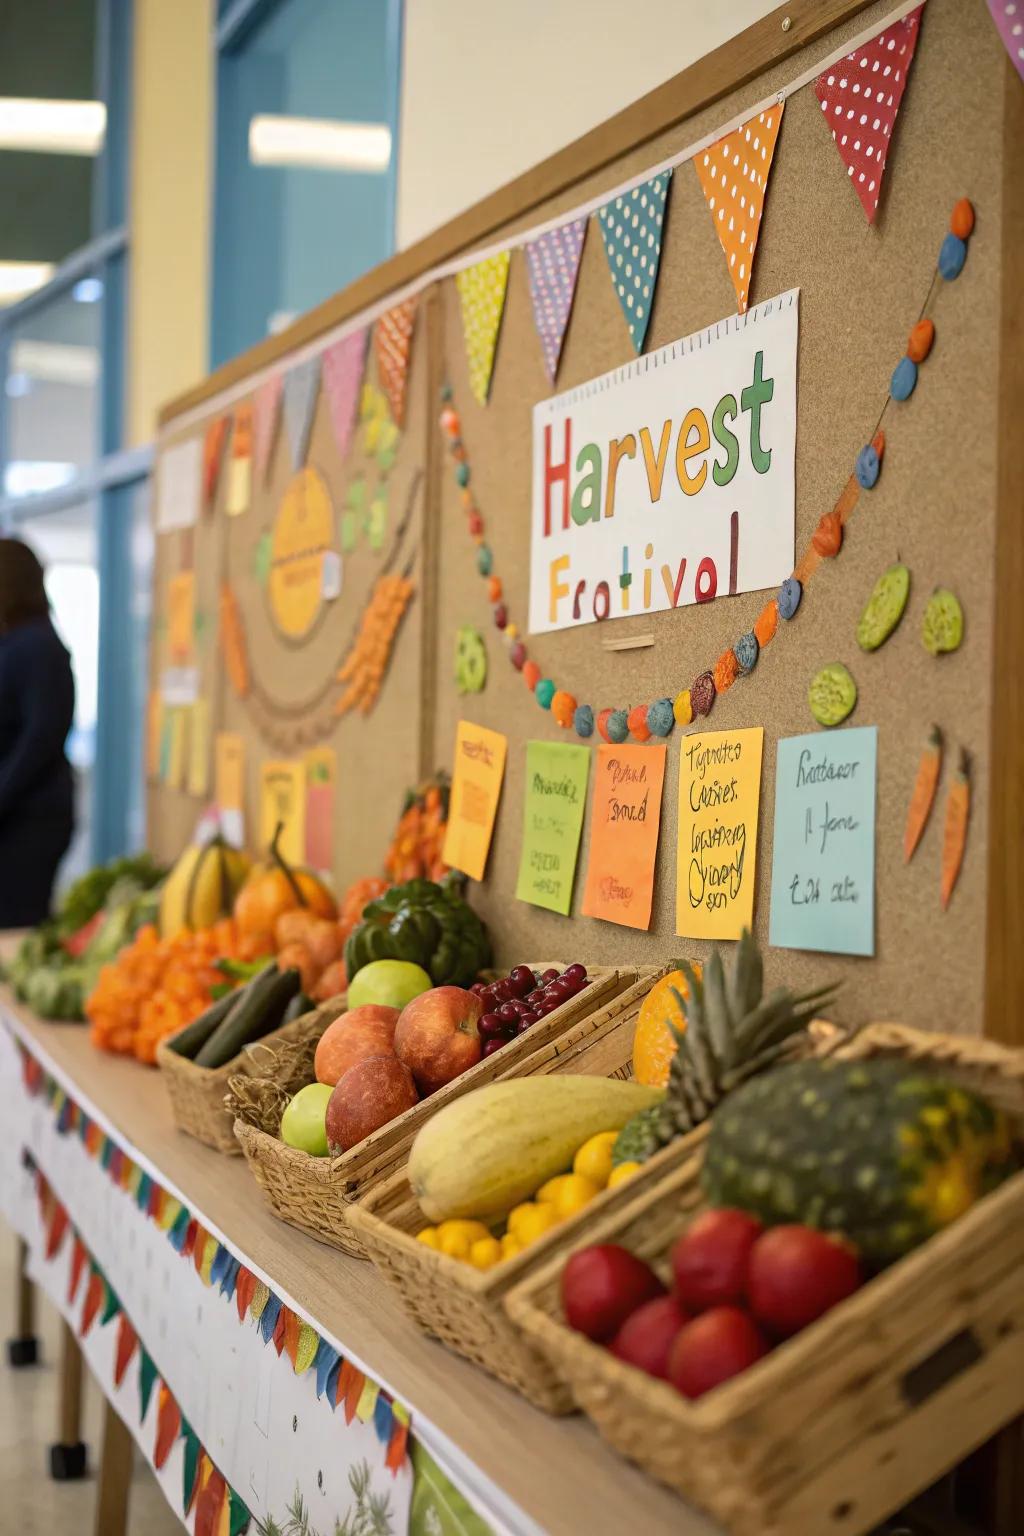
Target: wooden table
(556, 1471)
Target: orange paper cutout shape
(392, 339)
(245, 1288)
(78, 1262)
(168, 1425)
(213, 455)
(734, 175)
(127, 1341)
(93, 1301)
(353, 1392)
(58, 1227)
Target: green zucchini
(257, 1011)
(195, 1035)
(299, 1005)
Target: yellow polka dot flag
(734, 174)
(482, 296)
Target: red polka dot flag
(860, 97)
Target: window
(307, 94)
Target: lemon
(457, 1227)
(510, 1246)
(485, 1253)
(575, 1193)
(429, 1237)
(455, 1244)
(594, 1158)
(535, 1222)
(623, 1172)
(517, 1215)
(549, 1192)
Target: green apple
(303, 1122)
(389, 983)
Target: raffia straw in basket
(844, 1423)
(197, 1093)
(316, 1193)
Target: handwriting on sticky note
(479, 768)
(556, 797)
(823, 858)
(719, 796)
(624, 826)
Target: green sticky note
(556, 794)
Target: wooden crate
(847, 1421)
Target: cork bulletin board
(939, 507)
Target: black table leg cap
(67, 1462)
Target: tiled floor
(30, 1503)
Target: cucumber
(299, 1005)
(195, 1035)
(257, 1011)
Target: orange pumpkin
(275, 888)
(654, 1044)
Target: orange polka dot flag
(631, 227)
(860, 97)
(392, 339)
(482, 297)
(734, 174)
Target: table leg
(115, 1476)
(23, 1348)
(67, 1457)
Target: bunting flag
(127, 1343)
(190, 1468)
(94, 1294)
(734, 175)
(78, 1262)
(1008, 16)
(392, 341)
(301, 387)
(343, 375)
(482, 298)
(860, 97)
(631, 227)
(147, 1380)
(168, 1426)
(213, 454)
(238, 1516)
(553, 262)
(210, 1503)
(266, 416)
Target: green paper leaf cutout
(377, 524)
(261, 559)
(147, 1380)
(349, 532)
(355, 496)
(386, 460)
(200, 623)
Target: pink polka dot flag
(1008, 16)
(344, 362)
(553, 261)
(266, 416)
(734, 175)
(860, 97)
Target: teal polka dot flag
(631, 227)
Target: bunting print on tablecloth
(393, 340)
(553, 261)
(266, 416)
(734, 175)
(631, 227)
(860, 97)
(301, 387)
(344, 362)
(482, 298)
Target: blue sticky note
(823, 855)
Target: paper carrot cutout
(954, 835)
(923, 796)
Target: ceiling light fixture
(52, 127)
(319, 143)
(17, 278)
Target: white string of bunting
(482, 306)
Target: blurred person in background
(37, 705)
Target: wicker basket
(197, 1093)
(465, 1307)
(847, 1421)
(315, 1193)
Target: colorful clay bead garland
(656, 720)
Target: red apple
(355, 1035)
(709, 1261)
(646, 1337)
(796, 1274)
(437, 1037)
(714, 1347)
(602, 1285)
(370, 1094)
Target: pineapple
(732, 1033)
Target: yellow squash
(201, 887)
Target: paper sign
(476, 787)
(178, 485)
(181, 611)
(154, 733)
(556, 796)
(175, 774)
(229, 771)
(823, 857)
(719, 795)
(283, 798)
(239, 487)
(624, 834)
(199, 750)
(321, 775)
(179, 685)
(669, 481)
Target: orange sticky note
(283, 799)
(476, 789)
(181, 608)
(719, 796)
(624, 826)
(321, 777)
(229, 771)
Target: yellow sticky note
(181, 608)
(154, 733)
(239, 487)
(719, 797)
(199, 750)
(175, 775)
(283, 799)
(476, 788)
(229, 771)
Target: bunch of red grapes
(521, 998)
